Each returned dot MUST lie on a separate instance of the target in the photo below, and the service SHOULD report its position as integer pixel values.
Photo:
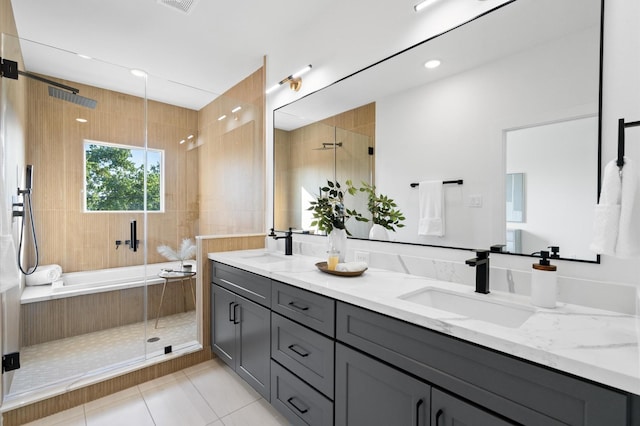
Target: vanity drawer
(308, 354)
(297, 401)
(307, 308)
(249, 285)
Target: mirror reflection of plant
(328, 209)
(384, 211)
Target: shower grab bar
(446, 182)
(621, 128)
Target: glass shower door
(86, 145)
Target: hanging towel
(607, 213)
(628, 244)
(45, 274)
(431, 204)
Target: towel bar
(457, 181)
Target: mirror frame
(599, 154)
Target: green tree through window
(115, 178)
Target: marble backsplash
(576, 284)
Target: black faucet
(288, 240)
(481, 263)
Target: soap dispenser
(544, 282)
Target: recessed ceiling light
(81, 120)
(418, 7)
(138, 73)
(236, 109)
(434, 63)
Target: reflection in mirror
(452, 122)
(557, 159)
(335, 149)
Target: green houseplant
(329, 212)
(384, 210)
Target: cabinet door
(223, 329)
(369, 392)
(254, 345)
(447, 410)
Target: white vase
(378, 232)
(338, 241)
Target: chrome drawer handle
(301, 410)
(298, 307)
(302, 354)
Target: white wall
(391, 31)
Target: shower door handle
(134, 235)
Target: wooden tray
(323, 267)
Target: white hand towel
(351, 266)
(45, 274)
(628, 244)
(431, 205)
(607, 213)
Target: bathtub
(113, 278)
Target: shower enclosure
(115, 176)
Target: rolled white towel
(45, 274)
(351, 266)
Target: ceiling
(191, 58)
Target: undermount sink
(265, 257)
(478, 307)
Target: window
(114, 177)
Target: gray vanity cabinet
(369, 392)
(241, 329)
(302, 352)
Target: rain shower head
(72, 97)
(328, 145)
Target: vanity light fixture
(433, 63)
(81, 120)
(424, 3)
(222, 117)
(294, 80)
(236, 109)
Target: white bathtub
(114, 278)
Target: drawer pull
(418, 405)
(302, 354)
(438, 415)
(236, 320)
(231, 311)
(301, 410)
(293, 304)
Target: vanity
(391, 348)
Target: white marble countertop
(598, 345)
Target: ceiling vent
(182, 5)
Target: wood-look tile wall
(232, 160)
(75, 239)
(72, 316)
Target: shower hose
(29, 271)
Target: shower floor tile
(72, 358)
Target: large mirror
(509, 122)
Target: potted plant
(385, 214)
(330, 215)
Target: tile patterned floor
(208, 394)
(68, 359)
